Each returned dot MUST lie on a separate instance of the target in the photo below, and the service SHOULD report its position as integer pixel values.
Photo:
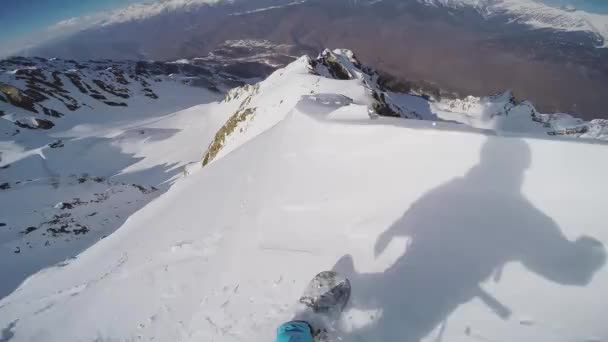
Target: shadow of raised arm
(384, 239)
(550, 254)
(402, 227)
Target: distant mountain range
(538, 15)
(37, 93)
(553, 56)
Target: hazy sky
(23, 17)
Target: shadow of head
(502, 164)
(461, 234)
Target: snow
(132, 12)
(539, 15)
(251, 43)
(77, 183)
(534, 13)
(182, 61)
(447, 232)
(502, 113)
(531, 12)
(13, 72)
(269, 8)
(140, 10)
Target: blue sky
(24, 17)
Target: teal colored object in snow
(294, 332)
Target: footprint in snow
(180, 246)
(527, 321)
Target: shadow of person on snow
(461, 234)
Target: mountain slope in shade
(446, 231)
(84, 145)
(535, 14)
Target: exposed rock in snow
(83, 145)
(501, 112)
(343, 65)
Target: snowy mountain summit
(203, 214)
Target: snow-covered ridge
(85, 144)
(500, 112)
(338, 79)
(335, 78)
(295, 3)
(342, 64)
(538, 15)
(503, 113)
(132, 12)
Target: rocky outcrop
(224, 132)
(244, 95)
(343, 65)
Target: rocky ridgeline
(506, 106)
(344, 65)
(38, 91)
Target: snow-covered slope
(503, 113)
(534, 13)
(337, 79)
(537, 14)
(37, 93)
(138, 30)
(447, 232)
(95, 141)
(83, 145)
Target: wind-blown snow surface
(446, 233)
